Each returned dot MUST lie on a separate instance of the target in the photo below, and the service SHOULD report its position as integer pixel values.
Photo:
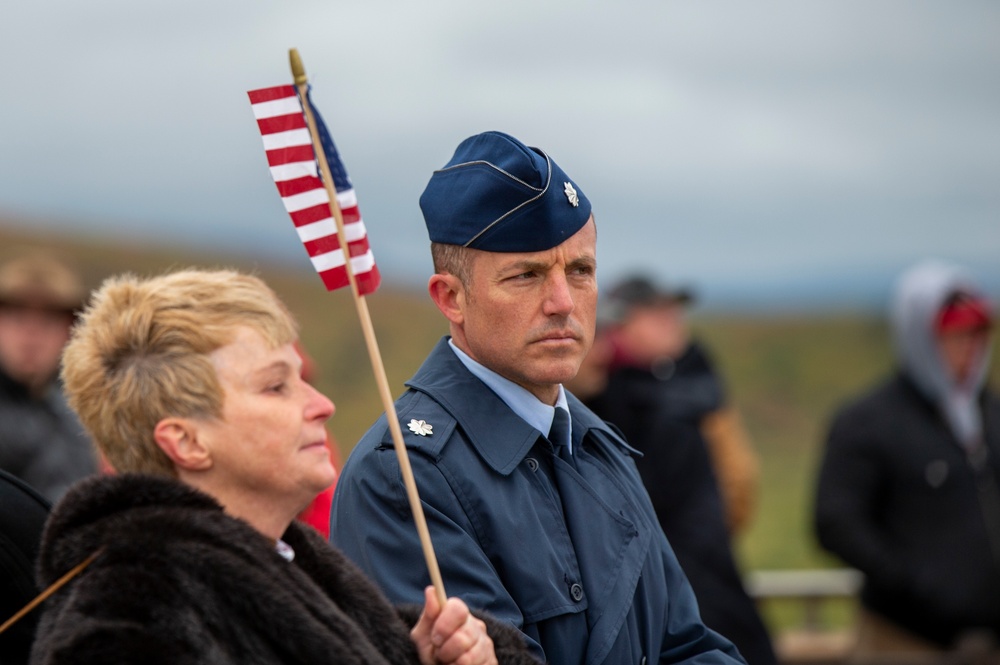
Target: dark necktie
(559, 435)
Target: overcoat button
(576, 591)
(532, 464)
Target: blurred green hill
(786, 373)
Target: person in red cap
(909, 486)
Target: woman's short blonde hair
(140, 354)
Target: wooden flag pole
(52, 588)
(301, 83)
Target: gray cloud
(750, 148)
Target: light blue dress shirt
(529, 408)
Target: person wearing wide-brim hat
(42, 446)
(533, 503)
(41, 441)
(39, 295)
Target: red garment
(964, 312)
(317, 513)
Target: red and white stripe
(293, 166)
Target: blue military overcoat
(574, 557)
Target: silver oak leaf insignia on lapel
(420, 427)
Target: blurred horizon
(862, 292)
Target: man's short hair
(453, 260)
(140, 353)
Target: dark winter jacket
(41, 440)
(899, 499)
(22, 517)
(689, 386)
(179, 581)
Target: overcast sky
(795, 150)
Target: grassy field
(785, 373)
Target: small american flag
(293, 164)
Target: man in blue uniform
(533, 503)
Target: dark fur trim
(182, 582)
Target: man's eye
(277, 387)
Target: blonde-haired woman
(190, 385)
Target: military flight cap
(499, 195)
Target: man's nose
(559, 299)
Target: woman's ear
(178, 439)
(448, 293)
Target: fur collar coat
(179, 581)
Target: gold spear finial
(298, 71)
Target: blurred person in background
(41, 440)
(655, 340)
(646, 376)
(908, 486)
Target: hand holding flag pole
(301, 191)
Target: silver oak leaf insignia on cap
(420, 427)
(574, 200)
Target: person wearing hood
(908, 485)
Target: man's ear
(448, 293)
(178, 439)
